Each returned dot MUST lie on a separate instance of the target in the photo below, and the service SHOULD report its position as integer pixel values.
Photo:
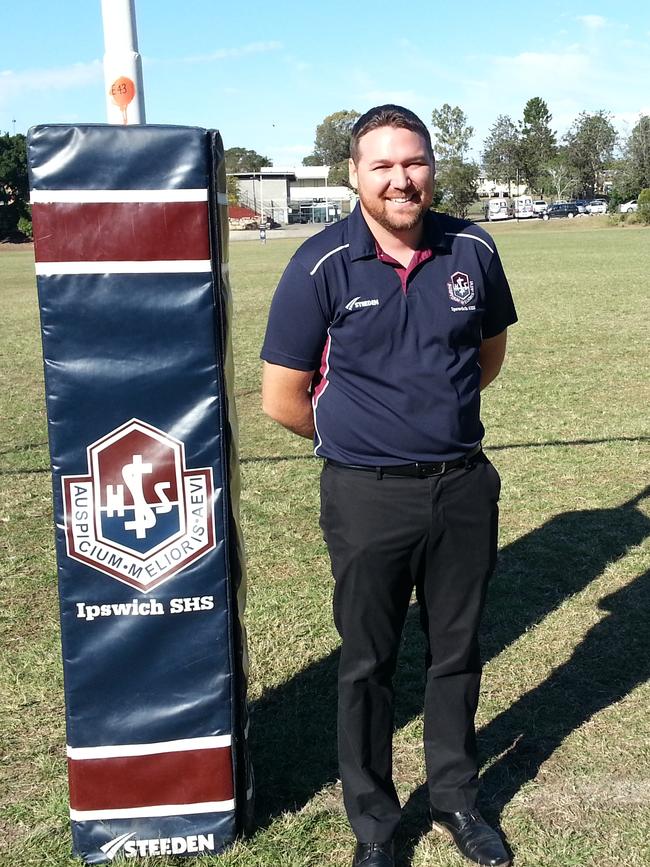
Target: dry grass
(563, 718)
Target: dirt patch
(584, 795)
(11, 245)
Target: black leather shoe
(374, 855)
(473, 837)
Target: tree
(453, 133)
(590, 146)
(243, 160)
(501, 150)
(562, 179)
(624, 185)
(638, 153)
(456, 178)
(232, 188)
(632, 171)
(644, 206)
(14, 183)
(332, 142)
(457, 186)
(537, 143)
(332, 145)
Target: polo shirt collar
(362, 241)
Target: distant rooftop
(297, 172)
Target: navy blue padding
(90, 836)
(101, 157)
(152, 347)
(137, 345)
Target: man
(382, 332)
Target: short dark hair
(387, 115)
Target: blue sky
(266, 73)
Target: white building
(489, 188)
(294, 194)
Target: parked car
(499, 209)
(581, 205)
(523, 207)
(597, 206)
(561, 209)
(539, 207)
(628, 207)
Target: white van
(499, 209)
(524, 207)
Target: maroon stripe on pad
(120, 231)
(123, 782)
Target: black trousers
(385, 537)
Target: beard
(381, 211)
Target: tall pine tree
(537, 144)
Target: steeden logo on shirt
(357, 303)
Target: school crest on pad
(139, 515)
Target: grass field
(563, 720)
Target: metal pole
(122, 63)
(326, 202)
(263, 218)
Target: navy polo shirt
(397, 371)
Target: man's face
(394, 177)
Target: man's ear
(352, 172)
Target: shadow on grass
(25, 447)
(489, 448)
(31, 472)
(276, 459)
(612, 659)
(294, 726)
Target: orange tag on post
(122, 92)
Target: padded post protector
(131, 260)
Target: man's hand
(491, 354)
(286, 398)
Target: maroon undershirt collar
(418, 257)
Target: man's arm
(491, 354)
(286, 398)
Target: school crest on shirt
(461, 288)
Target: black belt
(417, 470)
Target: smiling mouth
(403, 200)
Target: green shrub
(25, 226)
(616, 198)
(644, 206)
(631, 219)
